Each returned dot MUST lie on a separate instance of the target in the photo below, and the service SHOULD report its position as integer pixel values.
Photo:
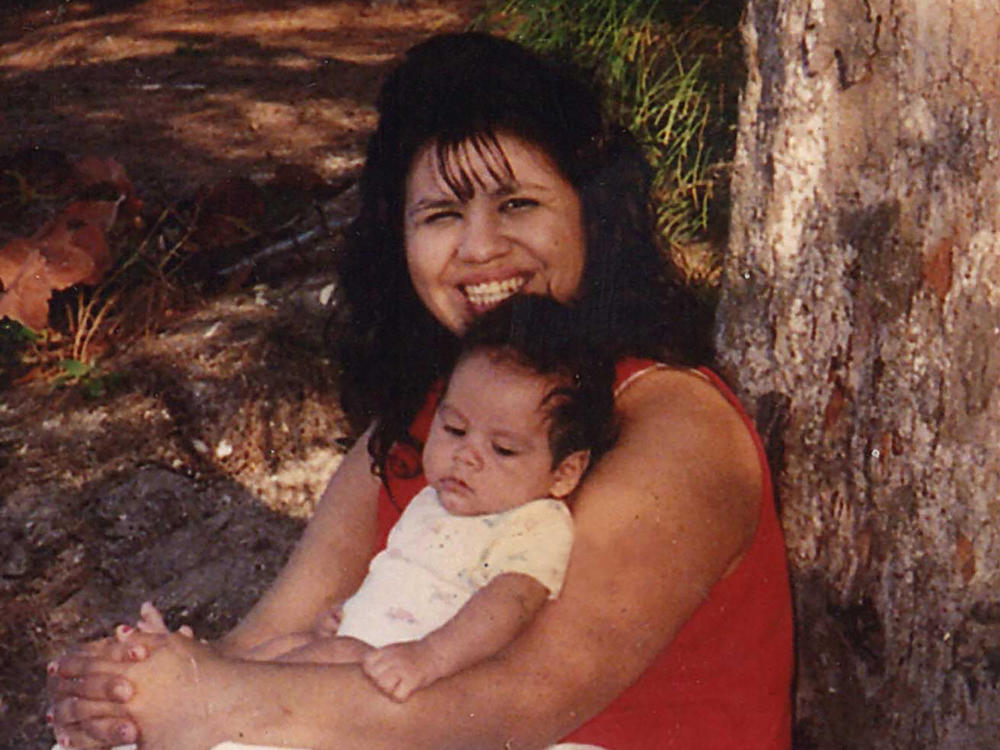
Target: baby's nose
(468, 455)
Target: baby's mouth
(454, 485)
(488, 294)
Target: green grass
(669, 77)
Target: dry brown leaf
(27, 298)
(71, 249)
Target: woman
(493, 173)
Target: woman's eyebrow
(505, 188)
(513, 185)
(433, 203)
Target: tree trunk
(860, 316)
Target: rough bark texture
(861, 317)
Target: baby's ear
(568, 473)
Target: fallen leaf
(26, 298)
(71, 249)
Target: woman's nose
(482, 239)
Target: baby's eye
(501, 450)
(453, 430)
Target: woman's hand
(157, 700)
(173, 690)
(90, 702)
(89, 697)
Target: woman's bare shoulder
(683, 393)
(676, 414)
(685, 453)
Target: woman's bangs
(473, 163)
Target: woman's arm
(328, 563)
(658, 522)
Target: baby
(526, 409)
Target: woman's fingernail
(121, 690)
(123, 631)
(52, 667)
(126, 733)
(50, 717)
(137, 653)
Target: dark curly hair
(468, 88)
(544, 338)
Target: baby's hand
(329, 622)
(400, 668)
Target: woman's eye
(504, 451)
(436, 217)
(514, 204)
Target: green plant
(15, 342)
(24, 351)
(662, 80)
(91, 379)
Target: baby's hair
(545, 338)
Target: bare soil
(189, 479)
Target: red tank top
(724, 682)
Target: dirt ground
(189, 479)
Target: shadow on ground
(203, 550)
(185, 94)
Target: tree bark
(860, 316)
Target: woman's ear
(568, 473)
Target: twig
(283, 246)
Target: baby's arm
(318, 646)
(489, 621)
(321, 646)
(279, 646)
(327, 650)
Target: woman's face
(521, 232)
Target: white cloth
(435, 561)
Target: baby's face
(488, 448)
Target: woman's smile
(487, 294)
(516, 228)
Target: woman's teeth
(492, 292)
